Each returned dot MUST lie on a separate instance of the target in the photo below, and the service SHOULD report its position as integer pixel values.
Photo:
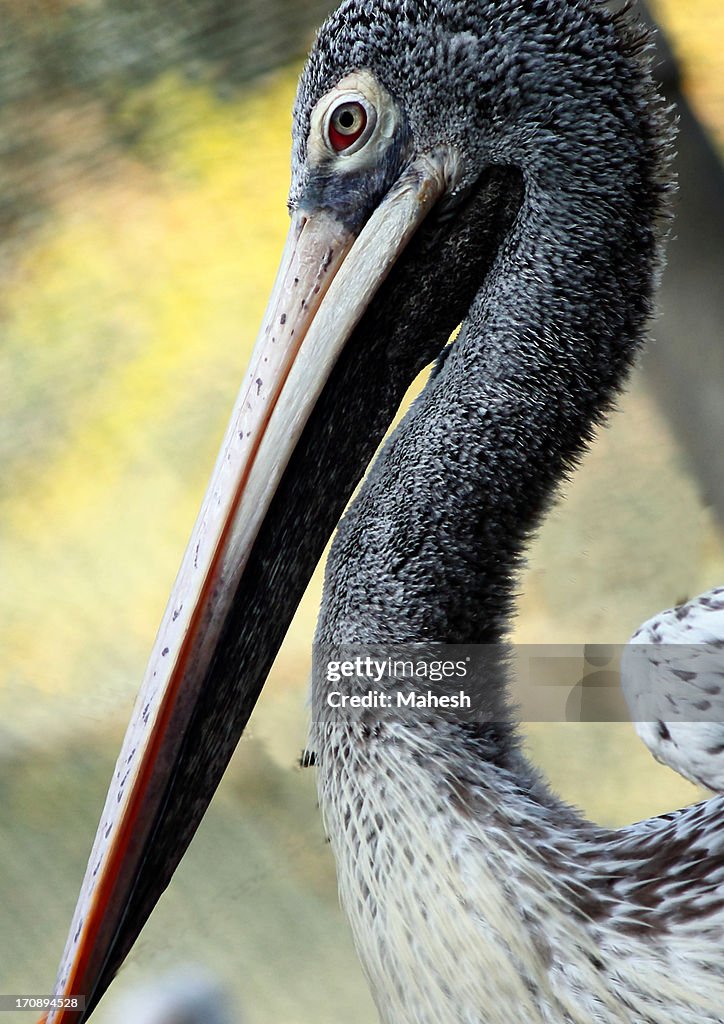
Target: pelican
(501, 165)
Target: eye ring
(349, 123)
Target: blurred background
(143, 175)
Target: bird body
(475, 896)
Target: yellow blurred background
(129, 303)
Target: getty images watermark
(408, 670)
(541, 682)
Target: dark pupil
(347, 119)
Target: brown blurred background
(143, 172)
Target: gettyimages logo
(398, 683)
(376, 669)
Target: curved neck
(431, 546)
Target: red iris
(346, 125)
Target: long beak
(326, 281)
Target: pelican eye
(349, 125)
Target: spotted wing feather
(672, 674)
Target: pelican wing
(672, 674)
